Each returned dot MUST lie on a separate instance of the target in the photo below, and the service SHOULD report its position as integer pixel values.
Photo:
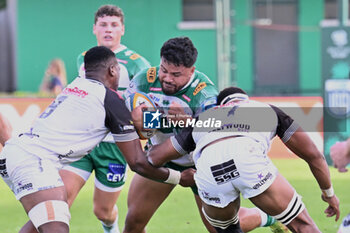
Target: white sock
(263, 217)
(111, 228)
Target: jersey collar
(121, 48)
(189, 82)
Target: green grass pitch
(179, 213)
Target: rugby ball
(136, 99)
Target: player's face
(173, 78)
(108, 31)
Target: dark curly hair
(179, 51)
(109, 10)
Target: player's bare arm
(162, 153)
(301, 144)
(138, 163)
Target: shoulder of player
(202, 86)
(82, 54)
(132, 57)
(148, 75)
(113, 97)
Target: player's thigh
(31, 200)
(275, 199)
(225, 213)
(73, 184)
(145, 196)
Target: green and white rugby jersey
(196, 96)
(130, 64)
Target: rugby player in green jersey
(179, 88)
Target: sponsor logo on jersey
(75, 91)
(151, 74)
(122, 61)
(155, 89)
(21, 187)
(166, 102)
(135, 56)
(237, 127)
(199, 87)
(128, 127)
(225, 172)
(207, 196)
(66, 155)
(116, 172)
(186, 97)
(263, 180)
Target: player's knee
(134, 223)
(103, 213)
(295, 215)
(48, 212)
(303, 223)
(222, 226)
(57, 227)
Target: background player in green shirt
(179, 88)
(106, 159)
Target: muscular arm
(5, 130)
(138, 163)
(162, 153)
(301, 144)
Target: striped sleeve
(286, 125)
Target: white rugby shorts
(230, 167)
(27, 173)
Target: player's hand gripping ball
(133, 101)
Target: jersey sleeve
(286, 125)
(118, 118)
(183, 142)
(142, 64)
(206, 100)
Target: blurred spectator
(340, 154)
(54, 79)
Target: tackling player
(106, 159)
(241, 164)
(75, 122)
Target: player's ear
(94, 29)
(112, 69)
(192, 69)
(123, 30)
